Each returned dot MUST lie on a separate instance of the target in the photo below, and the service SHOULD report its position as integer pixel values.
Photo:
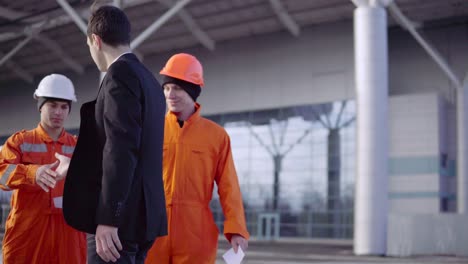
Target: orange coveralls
(196, 156)
(35, 230)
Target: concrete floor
(329, 252)
(320, 252)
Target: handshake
(48, 175)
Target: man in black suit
(114, 183)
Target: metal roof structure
(43, 36)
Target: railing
(5, 212)
(268, 225)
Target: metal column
(462, 148)
(371, 80)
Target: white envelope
(232, 258)
(58, 201)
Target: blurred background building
(284, 77)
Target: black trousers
(132, 252)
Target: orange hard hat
(185, 67)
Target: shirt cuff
(31, 173)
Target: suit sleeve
(13, 174)
(122, 125)
(229, 194)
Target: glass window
(295, 162)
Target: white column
(462, 148)
(371, 79)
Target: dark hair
(111, 25)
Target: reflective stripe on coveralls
(35, 231)
(6, 175)
(27, 147)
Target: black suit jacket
(115, 175)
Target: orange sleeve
(229, 194)
(13, 174)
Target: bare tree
(334, 164)
(277, 122)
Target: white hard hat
(56, 86)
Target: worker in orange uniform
(35, 231)
(197, 153)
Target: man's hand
(46, 176)
(62, 168)
(236, 241)
(108, 243)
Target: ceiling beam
(18, 70)
(118, 3)
(65, 19)
(33, 32)
(73, 14)
(55, 48)
(383, 3)
(193, 26)
(359, 3)
(158, 23)
(10, 14)
(196, 30)
(15, 50)
(129, 3)
(285, 17)
(433, 53)
(14, 15)
(30, 33)
(373, 3)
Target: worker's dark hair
(110, 24)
